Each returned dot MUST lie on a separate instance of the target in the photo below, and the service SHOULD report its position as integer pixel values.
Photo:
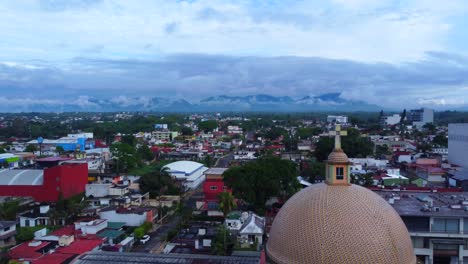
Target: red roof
(67, 231)
(80, 246)
(55, 258)
(25, 251)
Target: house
(252, 230)
(212, 187)
(7, 233)
(45, 185)
(36, 217)
(247, 226)
(131, 216)
(304, 145)
(60, 246)
(91, 226)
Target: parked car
(145, 239)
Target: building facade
(458, 144)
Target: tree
(186, 131)
(366, 179)
(313, 170)
(158, 182)
(275, 132)
(208, 161)
(226, 202)
(123, 156)
(354, 145)
(382, 150)
(208, 125)
(128, 139)
(30, 148)
(440, 140)
(257, 181)
(8, 210)
(59, 149)
(223, 241)
(307, 132)
(145, 153)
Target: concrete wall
(128, 219)
(458, 144)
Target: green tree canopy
(307, 132)
(208, 125)
(440, 140)
(123, 156)
(226, 202)
(186, 131)
(354, 145)
(145, 153)
(223, 241)
(255, 182)
(31, 148)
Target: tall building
(420, 117)
(338, 222)
(458, 144)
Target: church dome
(338, 224)
(337, 156)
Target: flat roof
(216, 171)
(411, 203)
(21, 177)
(124, 257)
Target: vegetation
(354, 145)
(255, 182)
(226, 202)
(223, 241)
(158, 182)
(9, 209)
(208, 125)
(124, 157)
(313, 170)
(143, 229)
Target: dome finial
(338, 133)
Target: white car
(145, 239)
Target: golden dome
(338, 224)
(337, 156)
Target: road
(158, 236)
(224, 161)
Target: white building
(337, 119)
(458, 144)
(420, 117)
(131, 216)
(188, 171)
(392, 120)
(91, 227)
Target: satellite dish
(40, 140)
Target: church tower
(338, 165)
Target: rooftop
(216, 171)
(21, 177)
(184, 166)
(418, 203)
(116, 257)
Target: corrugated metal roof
(21, 177)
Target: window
(213, 188)
(6, 229)
(339, 173)
(443, 225)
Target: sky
(393, 53)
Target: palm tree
(226, 202)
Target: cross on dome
(338, 133)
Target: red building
(213, 186)
(45, 185)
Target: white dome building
(192, 173)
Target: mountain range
(221, 103)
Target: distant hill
(221, 103)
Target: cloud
(362, 30)
(440, 78)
